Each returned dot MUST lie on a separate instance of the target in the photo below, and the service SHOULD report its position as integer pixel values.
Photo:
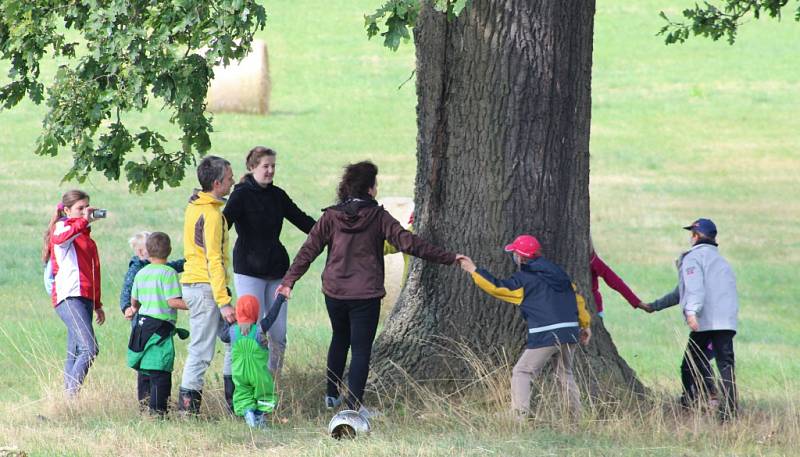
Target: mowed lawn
(703, 129)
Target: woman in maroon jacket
(354, 231)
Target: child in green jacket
(254, 394)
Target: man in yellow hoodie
(205, 277)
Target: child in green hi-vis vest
(156, 297)
(254, 394)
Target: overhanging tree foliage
(715, 22)
(119, 56)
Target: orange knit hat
(247, 309)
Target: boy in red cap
(254, 394)
(556, 316)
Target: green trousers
(255, 388)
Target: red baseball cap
(525, 245)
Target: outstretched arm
(296, 216)
(509, 290)
(668, 300)
(614, 281)
(317, 239)
(409, 243)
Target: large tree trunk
(503, 149)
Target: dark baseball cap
(704, 226)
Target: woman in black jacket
(257, 208)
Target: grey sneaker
(332, 402)
(368, 414)
(250, 418)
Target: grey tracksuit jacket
(706, 288)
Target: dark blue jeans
(696, 368)
(76, 312)
(153, 388)
(354, 324)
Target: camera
(98, 214)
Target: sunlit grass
(681, 132)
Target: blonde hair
(138, 239)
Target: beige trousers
(528, 367)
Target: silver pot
(348, 424)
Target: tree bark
(504, 105)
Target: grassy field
(703, 129)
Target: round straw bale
(244, 86)
(400, 208)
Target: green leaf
(135, 51)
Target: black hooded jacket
(257, 213)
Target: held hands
(647, 307)
(129, 312)
(466, 263)
(691, 321)
(283, 290)
(228, 313)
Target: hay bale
(400, 208)
(242, 87)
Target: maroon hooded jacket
(354, 233)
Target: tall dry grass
(469, 418)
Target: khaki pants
(528, 367)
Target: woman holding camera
(76, 292)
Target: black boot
(229, 388)
(189, 401)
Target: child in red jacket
(599, 269)
(76, 292)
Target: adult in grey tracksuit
(707, 294)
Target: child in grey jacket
(707, 294)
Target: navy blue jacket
(554, 311)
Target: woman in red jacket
(599, 269)
(76, 292)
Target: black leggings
(354, 324)
(153, 389)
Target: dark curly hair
(356, 181)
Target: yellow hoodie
(205, 246)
